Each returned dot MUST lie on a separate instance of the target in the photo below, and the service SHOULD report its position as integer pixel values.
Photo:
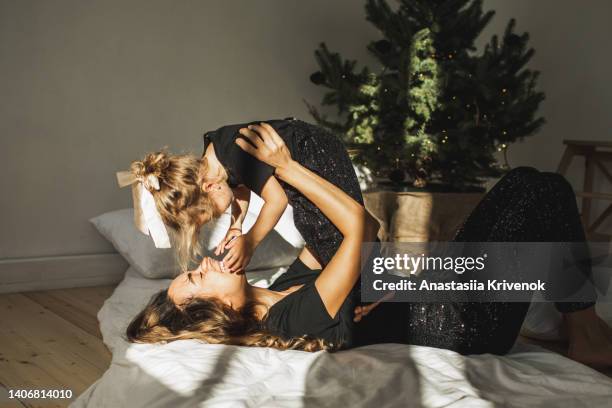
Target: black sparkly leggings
(524, 206)
(530, 206)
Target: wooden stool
(595, 152)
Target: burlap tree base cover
(420, 216)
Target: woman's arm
(340, 275)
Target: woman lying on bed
(312, 309)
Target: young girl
(194, 191)
(319, 311)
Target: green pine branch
(437, 110)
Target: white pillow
(285, 226)
(274, 251)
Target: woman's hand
(362, 311)
(262, 142)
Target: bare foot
(590, 338)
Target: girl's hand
(232, 233)
(240, 251)
(262, 142)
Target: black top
(313, 147)
(303, 313)
(241, 167)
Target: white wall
(88, 86)
(572, 42)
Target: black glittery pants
(524, 206)
(530, 206)
(324, 154)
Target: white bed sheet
(191, 374)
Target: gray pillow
(140, 252)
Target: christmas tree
(437, 110)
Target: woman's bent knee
(520, 176)
(556, 182)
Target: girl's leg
(323, 153)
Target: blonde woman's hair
(211, 321)
(181, 202)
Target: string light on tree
(428, 63)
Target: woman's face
(214, 181)
(209, 281)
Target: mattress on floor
(192, 374)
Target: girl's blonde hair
(181, 202)
(212, 321)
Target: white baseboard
(59, 272)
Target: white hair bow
(146, 217)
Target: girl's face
(209, 281)
(221, 195)
(214, 181)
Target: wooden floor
(51, 340)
